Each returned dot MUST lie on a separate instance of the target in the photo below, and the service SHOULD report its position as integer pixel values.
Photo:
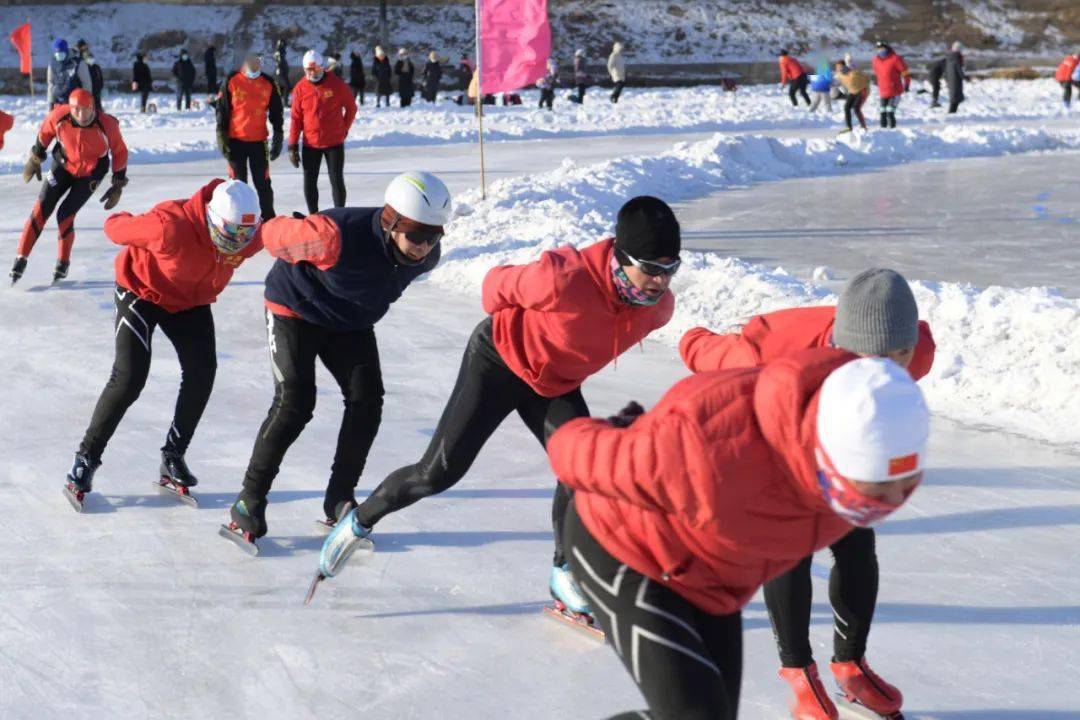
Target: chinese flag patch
(905, 464)
(247, 219)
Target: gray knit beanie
(876, 314)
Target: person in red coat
(876, 316)
(86, 139)
(551, 325)
(6, 123)
(323, 110)
(893, 80)
(793, 76)
(1064, 75)
(681, 513)
(176, 259)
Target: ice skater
(323, 299)
(893, 80)
(552, 324)
(177, 258)
(793, 77)
(681, 513)
(876, 317)
(87, 140)
(856, 86)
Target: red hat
(80, 97)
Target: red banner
(20, 38)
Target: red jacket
(715, 490)
(558, 320)
(6, 123)
(790, 69)
(779, 334)
(83, 147)
(323, 112)
(168, 258)
(1066, 68)
(893, 77)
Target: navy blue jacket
(358, 289)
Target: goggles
(653, 268)
(229, 237)
(416, 237)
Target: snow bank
(170, 135)
(1009, 358)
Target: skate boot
(566, 592)
(247, 522)
(863, 686)
(80, 480)
(175, 478)
(17, 269)
(61, 270)
(810, 701)
(347, 537)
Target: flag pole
(30, 75)
(480, 103)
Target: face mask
(883, 53)
(847, 502)
(628, 292)
(252, 73)
(60, 55)
(317, 77)
(183, 57)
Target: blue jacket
(358, 288)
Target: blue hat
(60, 45)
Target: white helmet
(580, 52)
(232, 216)
(419, 196)
(313, 58)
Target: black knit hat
(646, 230)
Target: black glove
(224, 148)
(294, 155)
(275, 146)
(112, 196)
(298, 215)
(625, 417)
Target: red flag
(20, 38)
(514, 41)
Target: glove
(112, 196)
(296, 215)
(32, 168)
(625, 417)
(275, 146)
(294, 155)
(224, 148)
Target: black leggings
(311, 159)
(256, 155)
(853, 104)
(547, 97)
(888, 111)
(192, 334)
(853, 588)
(686, 662)
(144, 95)
(485, 394)
(353, 359)
(617, 90)
(798, 85)
(1066, 88)
(183, 95)
(58, 184)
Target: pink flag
(514, 42)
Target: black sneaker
(17, 269)
(61, 270)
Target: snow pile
(170, 135)
(1006, 357)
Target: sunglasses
(653, 268)
(417, 237)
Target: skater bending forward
(552, 324)
(176, 260)
(733, 478)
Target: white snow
(137, 609)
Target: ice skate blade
(238, 539)
(74, 499)
(582, 623)
(854, 711)
(179, 492)
(319, 577)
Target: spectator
(793, 76)
(548, 83)
(356, 76)
(432, 77)
(616, 67)
(281, 70)
(333, 64)
(405, 71)
(955, 76)
(210, 67)
(141, 82)
(184, 72)
(97, 80)
(65, 72)
(893, 80)
(380, 68)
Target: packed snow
(137, 609)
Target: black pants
(853, 104)
(954, 103)
(617, 91)
(935, 91)
(380, 96)
(358, 93)
(192, 334)
(687, 663)
(311, 160)
(547, 97)
(353, 359)
(144, 95)
(256, 155)
(853, 589)
(798, 85)
(580, 97)
(888, 111)
(74, 191)
(183, 94)
(486, 392)
(1066, 88)
(406, 100)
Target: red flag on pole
(20, 38)
(514, 43)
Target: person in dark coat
(955, 76)
(141, 82)
(465, 73)
(405, 71)
(281, 71)
(210, 67)
(581, 77)
(97, 79)
(432, 77)
(380, 68)
(935, 71)
(356, 76)
(184, 72)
